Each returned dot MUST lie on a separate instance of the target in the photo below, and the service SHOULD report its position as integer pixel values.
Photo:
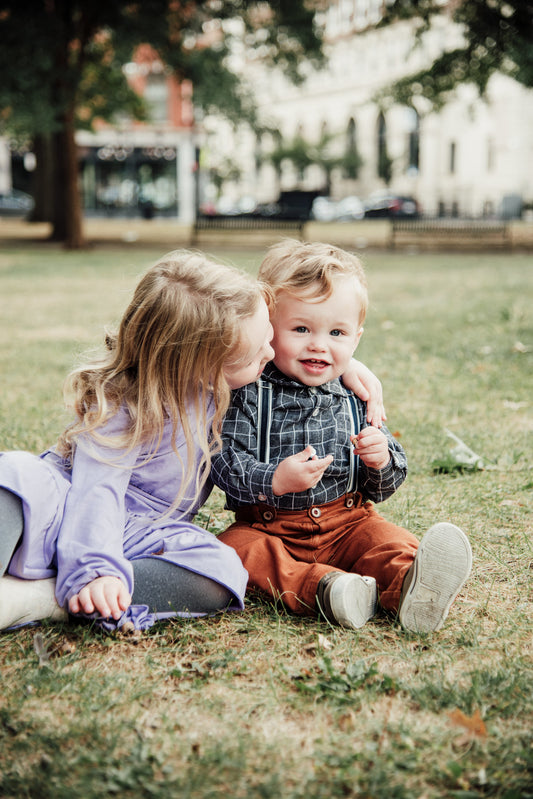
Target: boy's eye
(336, 332)
(300, 329)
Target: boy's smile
(313, 366)
(314, 339)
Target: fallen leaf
(127, 627)
(462, 453)
(519, 347)
(514, 406)
(347, 722)
(321, 643)
(474, 724)
(41, 649)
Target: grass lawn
(263, 704)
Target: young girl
(101, 524)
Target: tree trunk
(67, 220)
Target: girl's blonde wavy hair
(167, 357)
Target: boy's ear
(358, 338)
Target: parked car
(228, 206)
(325, 209)
(16, 203)
(386, 205)
(350, 208)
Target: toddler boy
(301, 467)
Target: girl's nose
(269, 353)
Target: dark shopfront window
(130, 181)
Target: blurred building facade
(144, 167)
(132, 168)
(475, 157)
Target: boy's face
(314, 340)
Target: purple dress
(95, 518)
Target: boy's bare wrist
(385, 463)
(276, 486)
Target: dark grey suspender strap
(355, 427)
(264, 417)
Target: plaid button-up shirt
(301, 415)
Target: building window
(258, 153)
(126, 181)
(453, 157)
(352, 157)
(490, 155)
(300, 152)
(413, 147)
(384, 169)
(276, 156)
(156, 97)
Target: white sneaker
(348, 599)
(24, 601)
(440, 569)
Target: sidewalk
(168, 234)
(160, 233)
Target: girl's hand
(364, 383)
(299, 472)
(106, 595)
(372, 447)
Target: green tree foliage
(302, 154)
(227, 171)
(61, 67)
(498, 37)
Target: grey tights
(11, 526)
(161, 585)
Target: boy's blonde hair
(167, 357)
(306, 268)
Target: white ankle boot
(347, 599)
(24, 601)
(441, 567)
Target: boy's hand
(106, 595)
(364, 383)
(372, 447)
(299, 472)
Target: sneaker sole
(353, 602)
(442, 564)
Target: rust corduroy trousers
(286, 553)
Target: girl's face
(254, 350)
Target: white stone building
(473, 158)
